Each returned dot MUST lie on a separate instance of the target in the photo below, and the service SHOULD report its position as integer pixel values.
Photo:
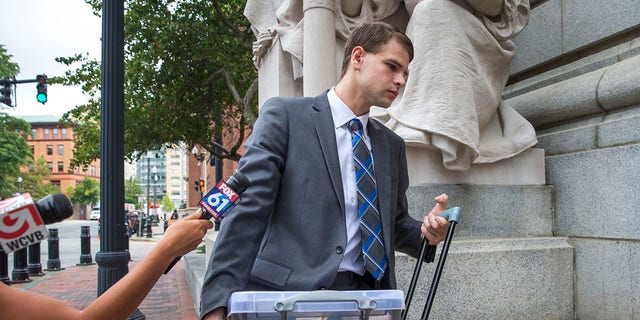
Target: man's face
(383, 74)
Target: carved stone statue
(284, 19)
(452, 101)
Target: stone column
(319, 46)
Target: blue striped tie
(375, 260)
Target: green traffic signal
(42, 97)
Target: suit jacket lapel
(323, 123)
(382, 168)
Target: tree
(8, 69)
(167, 204)
(35, 181)
(132, 190)
(14, 150)
(189, 78)
(86, 192)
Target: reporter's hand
(434, 227)
(185, 235)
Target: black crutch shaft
(438, 272)
(452, 215)
(414, 279)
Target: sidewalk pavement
(170, 298)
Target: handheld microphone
(219, 201)
(223, 197)
(22, 222)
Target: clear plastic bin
(322, 304)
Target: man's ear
(357, 54)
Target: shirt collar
(341, 112)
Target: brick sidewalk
(169, 299)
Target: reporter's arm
(125, 295)
(21, 304)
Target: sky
(34, 33)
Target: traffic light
(199, 185)
(6, 92)
(41, 96)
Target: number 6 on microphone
(219, 200)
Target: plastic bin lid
(379, 304)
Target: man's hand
(435, 228)
(217, 314)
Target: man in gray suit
(298, 226)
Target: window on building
(33, 149)
(64, 133)
(56, 183)
(60, 149)
(175, 156)
(33, 133)
(49, 150)
(92, 170)
(60, 166)
(55, 133)
(175, 193)
(175, 163)
(46, 133)
(50, 165)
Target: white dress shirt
(352, 259)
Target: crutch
(453, 216)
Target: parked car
(95, 215)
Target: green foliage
(14, 152)
(85, 119)
(188, 77)
(86, 192)
(8, 69)
(35, 181)
(167, 204)
(131, 190)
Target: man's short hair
(372, 36)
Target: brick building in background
(55, 143)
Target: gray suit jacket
(288, 232)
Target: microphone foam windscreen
(54, 208)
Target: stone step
(508, 278)
(490, 211)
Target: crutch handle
(452, 214)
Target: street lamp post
(20, 185)
(154, 170)
(155, 194)
(113, 258)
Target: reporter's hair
(372, 36)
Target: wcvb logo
(17, 223)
